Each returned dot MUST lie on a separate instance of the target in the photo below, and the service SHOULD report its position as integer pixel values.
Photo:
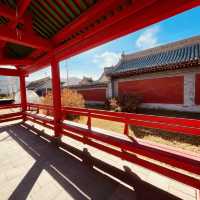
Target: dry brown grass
(190, 143)
(186, 142)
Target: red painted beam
(131, 23)
(7, 106)
(6, 61)
(27, 38)
(43, 123)
(126, 25)
(8, 72)
(7, 12)
(40, 118)
(129, 9)
(10, 119)
(171, 124)
(102, 6)
(22, 7)
(14, 18)
(93, 12)
(10, 115)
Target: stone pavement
(31, 167)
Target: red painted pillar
(23, 94)
(55, 72)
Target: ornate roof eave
(163, 48)
(153, 69)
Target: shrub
(113, 104)
(124, 103)
(72, 98)
(69, 98)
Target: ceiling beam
(22, 7)
(27, 38)
(13, 17)
(128, 25)
(10, 61)
(130, 9)
(138, 20)
(93, 12)
(8, 72)
(16, 18)
(9, 13)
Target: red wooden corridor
(35, 34)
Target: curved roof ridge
(183, 53)
(162, 48)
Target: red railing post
(23, 94)
(126, 130)
(55, 72)
(89, 121)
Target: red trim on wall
(197, 89)
(94, 95)
(169, 90)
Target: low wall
(93, 94)
(170, 90)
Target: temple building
(164, 77)
(94, 92)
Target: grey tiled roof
(182, 52)
(34, 85)
(91, 85)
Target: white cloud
(106, 59)
(148, 38)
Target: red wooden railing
(8, 106)
(122, 146)
(10, 116)
(126, 149)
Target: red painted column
(56, 96)
(23, 94)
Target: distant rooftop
(87, 82)
(46, 83)
(38, 83)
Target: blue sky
(92, 62)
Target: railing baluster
(126, 131)
(89, 121)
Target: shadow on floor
(74, 170)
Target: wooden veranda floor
(32, 167)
